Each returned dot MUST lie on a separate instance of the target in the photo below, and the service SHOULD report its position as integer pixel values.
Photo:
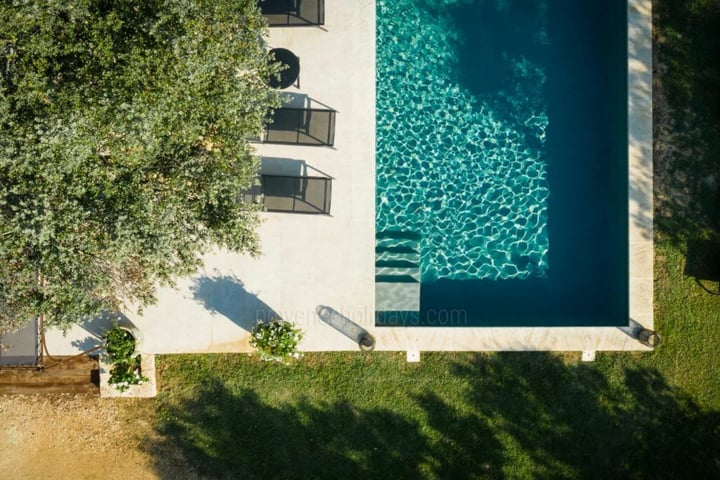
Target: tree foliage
(123, 147)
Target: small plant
(276, 340)
(119, 344)
(120, 348)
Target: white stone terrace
(313, 260)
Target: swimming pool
(501, 163)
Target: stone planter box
(147, 369)
(145, 390)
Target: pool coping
(640, 163)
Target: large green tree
(123, 147)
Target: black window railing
(293, 13)
(301, 126)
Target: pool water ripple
(466, 172)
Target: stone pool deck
(310, 261)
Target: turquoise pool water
(501, 160)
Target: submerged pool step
(407, 256)
(395, 296)
(388, 273)
(399, 243)
(397, 257)
(391, 240)
(398, 234)
(396, 249)
(397, 262)
(397, 272)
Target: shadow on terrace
(226, 295)
(492, 416)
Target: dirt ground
(78, 437)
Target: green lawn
(508, 415)
(529, 415)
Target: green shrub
(122, 375)
(276, 340)
(119, 344)
(120, 348)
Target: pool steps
(388, 272)
(397, 273)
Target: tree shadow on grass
(571, 421)
(517, 415)
(687, 118)
(224, 434)
(467, 446)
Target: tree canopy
(123, 147)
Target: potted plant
(276, 340)
(121, 349)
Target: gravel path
(75, 437)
